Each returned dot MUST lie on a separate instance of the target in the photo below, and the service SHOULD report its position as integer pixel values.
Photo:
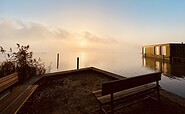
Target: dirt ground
(71, 94)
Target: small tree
(6, 68)
(23, 62)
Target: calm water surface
(125, 63)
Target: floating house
(173, 52)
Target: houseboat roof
(182, 43)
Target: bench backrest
(7, 81)
(123, 84)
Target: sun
(83, 44)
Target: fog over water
(121, 62)
(126, 62)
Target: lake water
(121, 62)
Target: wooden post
(77, 62)
(57, 60)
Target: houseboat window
(157, 50)
(163, 50)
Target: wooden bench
(8, 81)
(11, 103)
(14, 101)
(117, 94)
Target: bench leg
(112, 109)
(112, 104)
(100, 110)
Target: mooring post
(77, 62)
(57, 60)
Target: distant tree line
(21, 61)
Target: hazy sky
(89, 24)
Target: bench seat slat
(19, 100)
(9, 98)
(9, 80)
(97, 93)
(22, 99)
(125, 93)
(8, 77)
(8, 83)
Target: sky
(91, 24)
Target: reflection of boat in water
(172, 70)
